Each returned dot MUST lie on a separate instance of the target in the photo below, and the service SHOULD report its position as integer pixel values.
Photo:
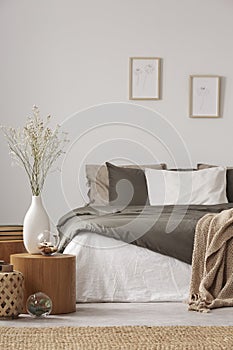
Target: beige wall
(69, 55)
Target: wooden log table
(11, 241)
(53, 275)
(10, 247)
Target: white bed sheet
(111, 271)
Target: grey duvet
(168, 230)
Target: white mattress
(111, 271)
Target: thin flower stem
(36, 148)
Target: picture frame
(204, 99)
(144, 78)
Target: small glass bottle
(39, 305)
(48, 242)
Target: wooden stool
(11, 247)
(11, 294)
(53, 275)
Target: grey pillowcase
(126, 186)
(229, 189)
(98, 183)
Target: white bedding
(112, 271)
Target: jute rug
(95, 338)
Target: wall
(66, 56)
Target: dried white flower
(36, 148)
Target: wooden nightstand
(53, 275)
(11, 241)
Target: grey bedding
(168, 230)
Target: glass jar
(48, 242)
(39, 305)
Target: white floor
(109, 314)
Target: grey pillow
(98, 183)
(229, 189)
(126, 186)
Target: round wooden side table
(53, 275)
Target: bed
(109, 271)
(136, 252)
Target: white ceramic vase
(35, 222)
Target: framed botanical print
(144, 78)
(204, 96)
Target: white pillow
(206, 186)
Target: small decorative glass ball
(48, 242)
(39, 305)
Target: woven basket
(11, 294)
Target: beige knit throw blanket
(212, 265)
